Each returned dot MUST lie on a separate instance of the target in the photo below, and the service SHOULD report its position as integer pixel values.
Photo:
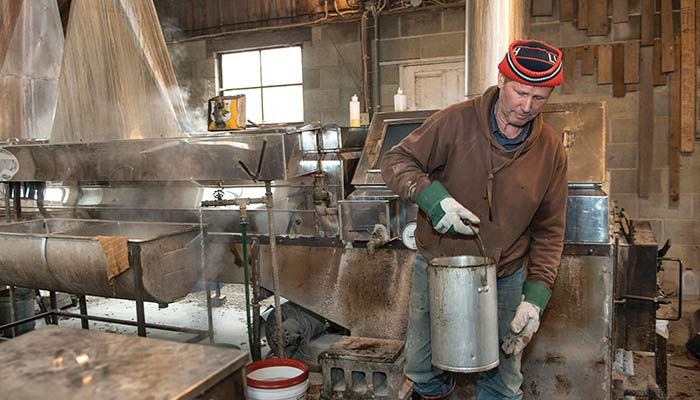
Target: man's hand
(445, 213)
(522, 328)
(455, 217)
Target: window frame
(220, 78)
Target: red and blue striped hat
(533, 63)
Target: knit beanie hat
(533, 63)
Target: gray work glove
(446, 213)
(522, 328)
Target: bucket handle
(484, 288)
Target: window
(270, 79)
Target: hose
(246, 279)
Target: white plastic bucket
(277, 379)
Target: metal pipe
(210, 317)
(129, 323)
(83, 311)
(255, 350)
(18, 200)
(8, 208)
(376, 95)
(246, 278)
(54, 306)
(365, 61)
(12, 310)
(275, 266)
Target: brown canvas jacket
(528, 202)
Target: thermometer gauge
(408, 236)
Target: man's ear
(501, 80)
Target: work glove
(445, 213)
(522, 328)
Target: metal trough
(63, 255)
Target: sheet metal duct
(490, 27)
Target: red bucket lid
(276, 384)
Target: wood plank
(659, 77)
(604, 64)
(582, 22)
(597, 17)
(645, 153)
(647, 22)
(666, 36)
(618, 70)
(588, 60)
(569, 67)
(542, 8)
(621, 12)
(566, 10)
(674, 131)
(632, 61)
(688, 72)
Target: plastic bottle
(691, 285)
(399, 101)
(354, 112)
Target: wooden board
(645, 155)
(632, 61)
(569, 67)
(582, 14)
(659, 77)
(666, 36)
(647, 22)
(604, 64)
(618, 70)
(597, 17)
(688, 72)
(542, 8)
(566, 10)
(588, 60)
(674, 132)
(621, 11)
(9, 13)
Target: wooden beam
(618, 70)
(674, 131)
(588, 60)
(666, 36)
(597, 17)
(542, 8)
(632, 61)
(645, 153)
(688, 72)
(582, 22)
(648, 9)
(659, 77)
(621, 12)
(566, 10)
(604, 64)
(569, 67)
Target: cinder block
(624, 107)
(683, 232)
(421, 23)
(365, 368)
(661, 101)
(660, 129)
(453, 20)
(549, 32)
(312, 78)
(398, 49)
(389, 26)
(630, 30)
(660, 155)
(572, 36)
(389, 74)
(443, 45)
(337, 77)
(322, 99)
(623, 130)
(623, 181)
(690, 184)
(319, 56)
(621, 155)
(656, 207)
(626, 201)
(342, 32)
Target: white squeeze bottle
(354, 112)
(399, 101)
(691, 285)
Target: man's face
(518, 103)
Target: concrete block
(630, 30)
(661, 101)
(453, 20)
(420, 23)
(621, 155)
(660, 129)
(339, 117)
(319, 56)
(629, 202)
(656, 207)
(342, 32)
(660, 155)
(389, 26)
(312, 78)
(389, 74)
(205, 69)
(696, 206)
(398, 49)
(255, 40)
(322, 99)
(623, 181)
(624, 107)
(311, 115)
(690, 183)
(387, 96)
(549, 32)
(572, 36)
(316, 35)
(623, 130)
(683, 232)
(337, 77)
(689, 254)
(443, 45)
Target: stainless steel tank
(463, 313)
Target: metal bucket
(463, 313)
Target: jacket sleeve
(406, 168)
(548, 226)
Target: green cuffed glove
(445, 213)
(527, 317)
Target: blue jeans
(500, 383)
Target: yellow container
(226, 113)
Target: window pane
(281, 66)
(240, 70)
(283, 104)
(253, 104)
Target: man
(494, 162)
